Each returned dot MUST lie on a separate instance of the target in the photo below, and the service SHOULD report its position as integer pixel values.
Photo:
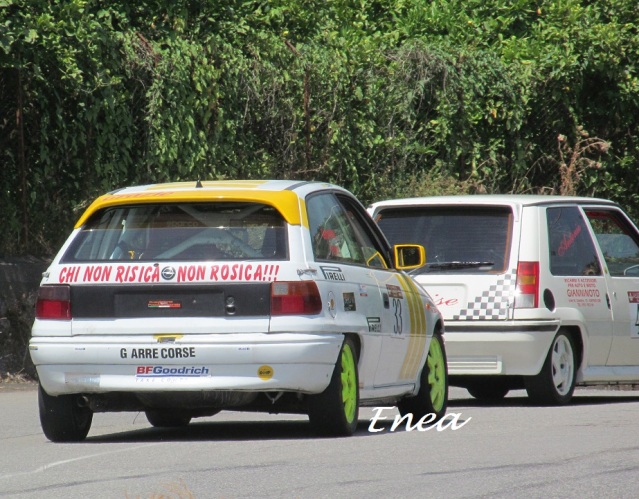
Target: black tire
(335, 411)
(62, 419)
(555, 383)
(489, 390)
(167, 418)
(432, 397)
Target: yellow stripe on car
(417, 339)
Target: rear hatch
(170, 301)
(191, 267)
(468, 270)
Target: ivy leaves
(386, 97)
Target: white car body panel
(263, 353)
(488, 335)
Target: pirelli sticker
(374, 324)
(333, 273)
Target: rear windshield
(467, 239)
(182, 231)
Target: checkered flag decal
(492, 304)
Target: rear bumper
(253, 362)
(504, 348)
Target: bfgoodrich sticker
(170, 371)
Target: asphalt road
(510, 449)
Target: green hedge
(388, 98)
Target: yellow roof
(272, 193)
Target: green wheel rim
(349, 383)
(436, 374)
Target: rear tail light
(53, 302)
(527, 294)
(295, 298)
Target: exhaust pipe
(83, 401)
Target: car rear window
(182, 231)
(465, 239)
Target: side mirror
(409, 256)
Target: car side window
(338, 233)
(618, 240)
(572, 250)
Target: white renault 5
(184, 299)
(538, 292)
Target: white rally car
(184, 299)
(538, 292)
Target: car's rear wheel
(488, 390)
(62, 418)
(555, 383)
(167, 418)
(335, 411)
(432, 397)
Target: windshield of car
(182, 231)
(464, 239)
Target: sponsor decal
(582, 291)
(333, 274)
(363, 290)
(349, 302)
(265, 372)
(109, 273)
(228, 272)
(633, 296)
(170, 371)
(158, 353)
(394, 291)
(167, 338)
(441, 301)
(183, 273)
(374, 324)
(567, 242)
(164, 304)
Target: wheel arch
(358, 344)
(576, 335)
(439, 327)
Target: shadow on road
(202, 431)
(209, 430)
(579, 399)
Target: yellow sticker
(167, 338)
(265, 372)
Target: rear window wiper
(449, 266)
